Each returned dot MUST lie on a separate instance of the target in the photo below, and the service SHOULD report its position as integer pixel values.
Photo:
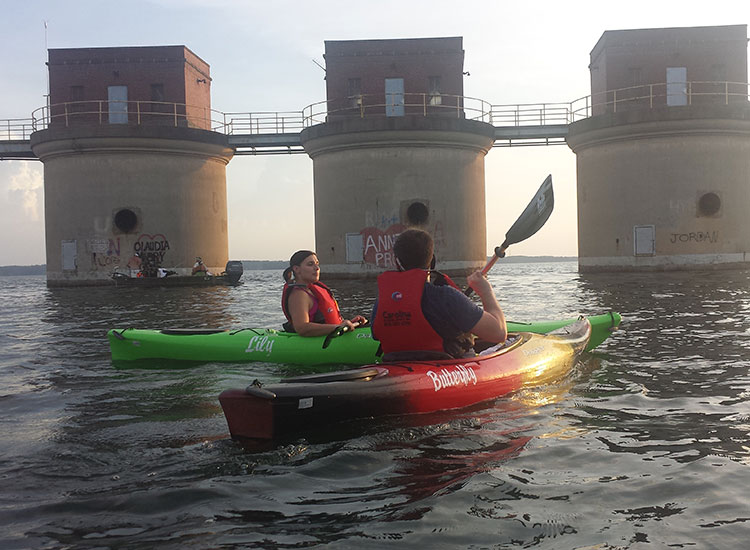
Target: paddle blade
(534, 216)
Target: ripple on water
(647, 442)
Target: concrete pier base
(375, 177)
(112, 191)
(663, 189)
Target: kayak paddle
(531, 220)
(338, 331)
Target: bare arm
(491, 326)
(300, 303)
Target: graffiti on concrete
(378, 244)
(387, 221)
(695, 237)
(380, 220)
(152, 248)
(106, 253)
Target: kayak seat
(340, 376)
(509, 342)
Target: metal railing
(530, 114)
(262, 123)
(132, 113)
(101, 112)
(407, 104)
(16, 129)
(662, 94)
(645, 96)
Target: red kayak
(399, 388)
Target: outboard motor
(233, 271)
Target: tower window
(433, 90)
(157, 92)
(635, 76)
(354, 92)
(76, 98)
(157, 100)
(76, 93)
(718, 72)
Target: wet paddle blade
(534, 216)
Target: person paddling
(415, 319)
(308, 304)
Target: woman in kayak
(308, 304)
(414, 318)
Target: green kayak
(274, 346)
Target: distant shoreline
(9, 270)
(254, 265)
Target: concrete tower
(130, 163)
(664, 162)
(397, 147)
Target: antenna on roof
(46, 52)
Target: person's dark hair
(296, 259)
(414, 249)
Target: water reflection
(142, 307)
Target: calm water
(644, 445)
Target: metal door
(118, 104)
(69, 255)
(677, 86)
(354, 253)
(394, 97)
(644, 240)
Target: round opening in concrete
(126, 220)
(417, 213)
(709, 204)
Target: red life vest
(325, 309)
(399, 323)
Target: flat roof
(394, 46)
(59, 56)
(648, 36)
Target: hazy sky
(261, 56)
